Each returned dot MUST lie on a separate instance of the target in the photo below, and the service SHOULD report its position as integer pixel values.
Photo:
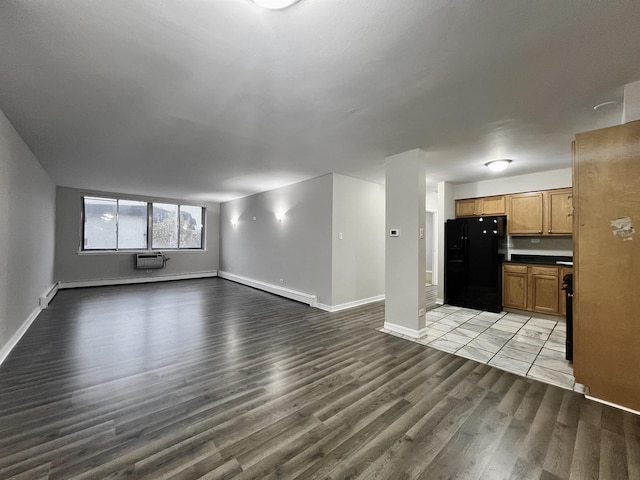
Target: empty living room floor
(210, 379)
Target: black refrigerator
(473, 262)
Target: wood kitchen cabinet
(548, 212)
(559, 212)
(472, 207)
(536, 288)
(467, 207)
(544, 290)
(524, 212)
(514, 286)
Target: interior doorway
(431, 257)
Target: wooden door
(607, 263)
(514, 286)
(560, 212)
(544, 290)
(525, 214)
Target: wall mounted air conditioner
(145, 261)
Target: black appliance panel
(473, 275)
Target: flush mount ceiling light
(275, 4)
(498, 165)
(605, 104)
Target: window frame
(149, 229)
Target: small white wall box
(394, 232)
(146, 261)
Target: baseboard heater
(146, 261)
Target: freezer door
(455, 268)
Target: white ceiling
(216, 99)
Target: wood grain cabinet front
(559, 212)
(473, 207)
(535, 288)
(467, 207)
(514, 286)
(544, 292)
(524, 214)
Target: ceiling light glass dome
(275, 4)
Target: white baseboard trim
(615, 405)
(439, 301)
(15, 338)
(301, 297)
(344, 306)
(46, 298)
(129, 280)
(408, 332)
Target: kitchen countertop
(541, 259)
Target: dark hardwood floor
(210, 379)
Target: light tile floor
(525, 345)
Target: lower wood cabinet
(536, 288)
(514, 286)
(544, 290)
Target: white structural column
(405, 278)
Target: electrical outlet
(340, 236)
(149, 271)
(421, 312)
(282, 280)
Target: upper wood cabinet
(525, 214)
(493, 205)
(559, 212)
(470, 207)
(548, 212)
(467, 207)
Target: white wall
(72, 266)
(521, 183)
(357, 258)
(27, 216)
(296, 250)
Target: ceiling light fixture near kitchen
(498, 165)
(605, 104)
(275, 4)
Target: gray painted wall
(358, 259)
(27, 216)
(72, 266)
(296, 250)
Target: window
(120, 224)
